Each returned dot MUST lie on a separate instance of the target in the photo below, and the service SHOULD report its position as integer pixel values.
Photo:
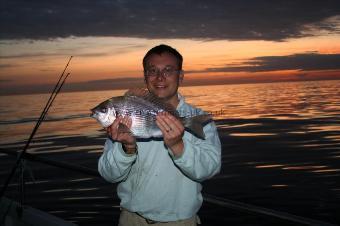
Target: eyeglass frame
(161, 72)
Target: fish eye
(103, 110)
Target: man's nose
(160, 75)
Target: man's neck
(174, 101)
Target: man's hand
(172, 130)
(126, 138)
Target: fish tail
(195, 124)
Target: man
(159, 180)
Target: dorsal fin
(146, 95)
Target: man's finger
(161, 125)
(175, 121)
(164, 122)
(115, 123)
(175, 125)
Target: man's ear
(181, 76)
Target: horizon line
(192, 83)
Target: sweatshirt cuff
(184, 155)
(113, 146)
(122, 152)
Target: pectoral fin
(122, 128)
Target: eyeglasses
(166, 72)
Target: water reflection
(282, 101)
(269, 166)
(251, 134)
(279, 185)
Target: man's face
(162, 75)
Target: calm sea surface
(280, 141)
(69, 114)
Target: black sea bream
(143, 109)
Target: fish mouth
(93, 113)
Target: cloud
(6, 65)
(113, 81)
(106, 84)
(22, 55)
(74, 51)
(199, 19)
(103, 84)
(303, 62)
(47, 54)
(4, 80)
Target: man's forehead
(151, 65)
(154, 58)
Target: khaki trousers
(128, 218)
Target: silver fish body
(143, 111)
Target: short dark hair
(160, 49)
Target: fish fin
(122, 128)
(195, 124)
(146, 95)
(136, 92)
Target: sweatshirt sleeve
(114, 164)
(201, 159)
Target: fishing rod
(41, 119)
(56, 90)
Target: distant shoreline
(80, 87)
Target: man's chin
(162, 96)
(161, 93)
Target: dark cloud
(199, 19)
(303, 62)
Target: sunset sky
(221, 41)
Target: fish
(143, 108)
